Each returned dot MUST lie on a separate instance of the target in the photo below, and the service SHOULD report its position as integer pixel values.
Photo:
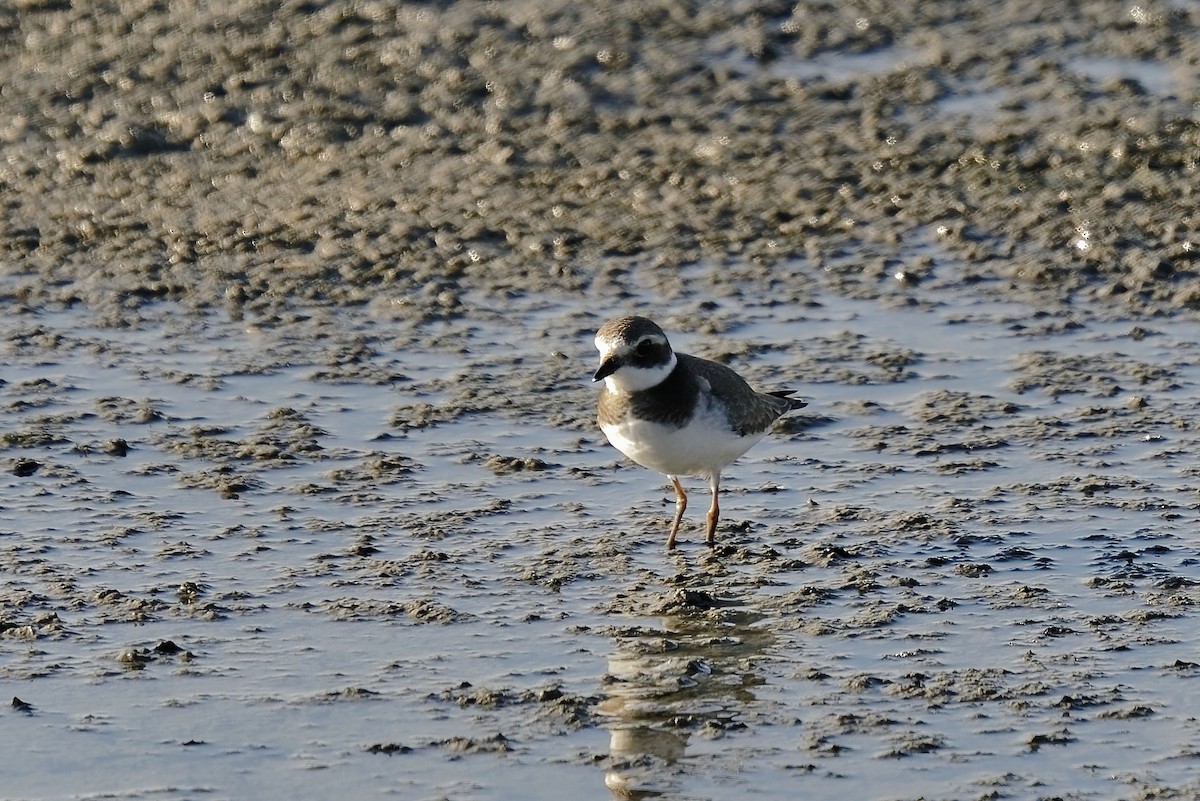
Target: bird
(677, 414)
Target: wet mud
(301, 487)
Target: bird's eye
(645, 347)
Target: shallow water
(968, 566)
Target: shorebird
(678, 414)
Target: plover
(678, 414)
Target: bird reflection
(692, 674)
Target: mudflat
(302, 491)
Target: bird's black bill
(606, 368)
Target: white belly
(701, 448)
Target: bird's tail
(786, 394)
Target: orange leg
(714, 511)
(680, 506)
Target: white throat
(635, 379)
